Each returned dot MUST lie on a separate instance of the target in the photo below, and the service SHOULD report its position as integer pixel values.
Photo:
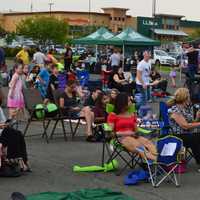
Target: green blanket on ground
(85, 194)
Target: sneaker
(17, 196)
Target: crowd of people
(119, 89)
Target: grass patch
(164, 69)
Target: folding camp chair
(4, 93)
(170, 152)
(32, 98)
(164, 116)
(62, 118)
(113, 147)
(83, 77)
(167, 129)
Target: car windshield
(161, 53)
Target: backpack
(51, 110)
(10, 170)
(42, 111)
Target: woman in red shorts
(125, 126)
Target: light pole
(50, 7)
(89, 7)
(153, 8)
(31, 6)
(154, 16)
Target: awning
(170, 32)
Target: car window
(161, 53)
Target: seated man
(90, 101)
(157, 81)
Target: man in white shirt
(143, 78)
(115, 59)
(39, 58)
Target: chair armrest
(107, 127)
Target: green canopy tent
(99, 37)
(129, 37)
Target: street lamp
(50, 7)
(89, 7)
(154, 16)
(153, 8)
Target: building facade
(114, 19)
(162, 27)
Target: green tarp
(129, 37)
(97, 38)
(85, 194)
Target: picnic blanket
(84, 194)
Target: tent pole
(123, 57)
(96, 52)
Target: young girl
(15, 101)
(173, 76)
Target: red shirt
(122, 123)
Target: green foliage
(11, 52)
(10, 37)
(193, 36)
(2, 32)
(44, 30)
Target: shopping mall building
(162, 26)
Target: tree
(44, 30)
(2, 32)
(10, 37)
(193, 36)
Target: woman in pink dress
(15, 96)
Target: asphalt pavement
(52, 166)
(52, 171)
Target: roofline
(53, 12)
(169, 15)
(115, 8)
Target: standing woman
(15, 101)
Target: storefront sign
(149, 23)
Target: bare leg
(13, 113)
(173, 82)
(132, 143)
(89, 118)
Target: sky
(188, 8)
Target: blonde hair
(181, 96)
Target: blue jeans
(192, 70)
(143, 92)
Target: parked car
(177, 56)
(14, 44)
(60, 49)
(161, 57)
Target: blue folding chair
(167, 129)
(164, 116)
(169, 149)
(83, 77)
